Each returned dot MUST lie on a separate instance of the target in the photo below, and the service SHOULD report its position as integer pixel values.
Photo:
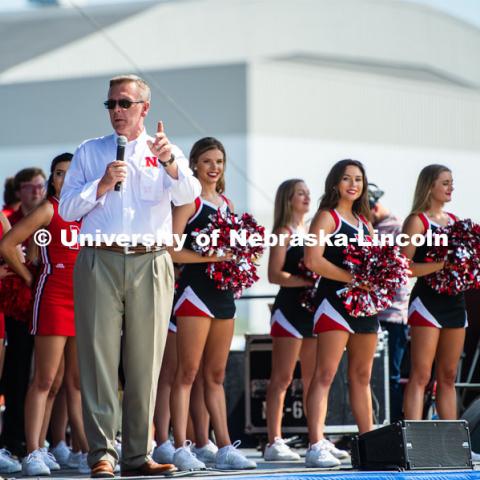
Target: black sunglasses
(122, 103)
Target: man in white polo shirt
(124, 289)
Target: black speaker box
(414, 445)
(472, 416)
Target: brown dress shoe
(102, 469)
(149, 468)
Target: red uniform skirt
(53, 304)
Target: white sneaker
(49, 459)
(164, 452)
(118, 448)
(279, 451)
(33, 464)
(317, 457)
(336, 452)
(7, 463)
(230, 458)
(206, 454)
(185, 459)
(83, 464)
(74, 459)
(475, 457)
(61, 453)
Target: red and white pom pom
(16, 299)
(307, 297)
(383, 269)
(240, 272)
(461, 256)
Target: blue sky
(468, 10)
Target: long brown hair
(282, 213)
(331, 196)
(204, 145)
(425, 182)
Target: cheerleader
(4, 272)
(291, 324)
(52, 323)
(437, 320)
(7, 463)
(199, 426)
(343, 213)
(204, 316)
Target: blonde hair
(140, 82)
(425, 182)
(282, 213)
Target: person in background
(205, 317)
(437, 320)
(30, 189)
(343, 212)
(52, 323)
(394, 319)
(11, 202)
(291, 323)
(7, 463)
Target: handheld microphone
(121, 144)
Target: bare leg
(330, 348)
(214, 366)
(74, 398)
(308, 354)
(59, 417)
(450, 347)
(423, 345)
(52, 394)
(48, 356)
(192, 335)
(361, 350)
(285, 352)
(198, 410)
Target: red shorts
(53, 304)
(2, 326)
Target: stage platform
(297, 471)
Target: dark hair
(9, 195)
(374, 194)
(63, 157)
(26, 175)
(204, 145)
(331, 196)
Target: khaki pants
(114, 293)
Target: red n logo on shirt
(151, 162)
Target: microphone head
(122, 141)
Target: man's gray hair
(140, 82)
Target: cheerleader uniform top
(331, 313)
(427, 307)
(197, 294)
(289, 318)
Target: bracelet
(168, 162)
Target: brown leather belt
(131, 249)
